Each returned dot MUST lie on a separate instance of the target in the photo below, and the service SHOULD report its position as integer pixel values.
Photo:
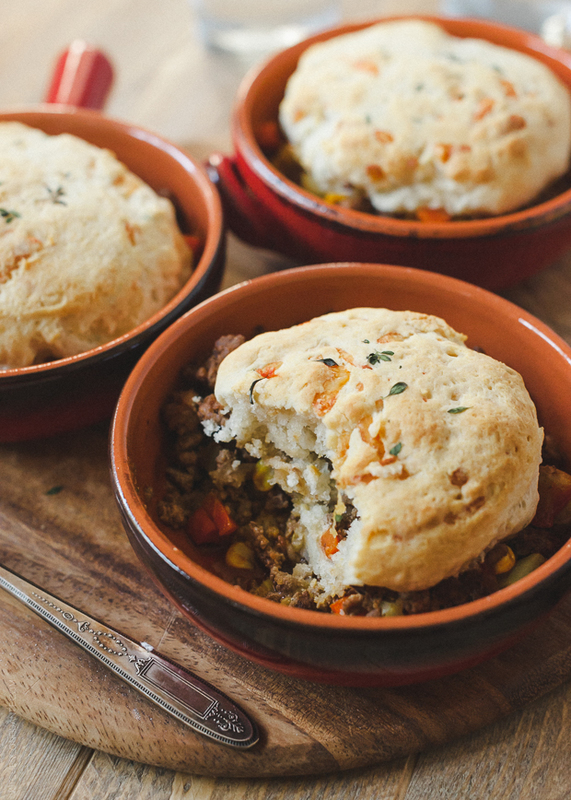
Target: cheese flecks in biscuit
(415, 118)
(87, 250)
(435, 447)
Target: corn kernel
(391, 609)
(262, 477)
(506, 562)
(240, 555)
(335, 198)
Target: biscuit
(436, 447)
(414, 118)
(87, 250)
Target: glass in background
(550, 18)
(254, 28)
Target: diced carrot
(384, 137)
(366, 66)
(444, 151)
(269, 371)
(201, 528)
(329, 542)
(322, 403)
(211, 521)
(337, 606)
(484, 107)
(217, 512)
(509, 89)
(554, 494)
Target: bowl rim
(213, 244)
(248, 149)
(139, 519)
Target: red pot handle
(245, 215)
(82, 77)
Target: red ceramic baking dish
(305, 643)
(266, 208)
(49, 398)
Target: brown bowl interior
(167, 169)
(262, 91)
(282, 299)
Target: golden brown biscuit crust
(87, 250)
(436, 445)
(415, 118)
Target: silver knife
(186, 697)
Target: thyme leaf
(458, 410)
(375, 357)
(8, 215)
(55, 490)
(328, 362)
(398, 388)
(394, 451)
(251, 393)
(56, 195)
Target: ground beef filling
(252, 542)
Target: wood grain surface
(60, 528)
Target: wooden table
(167, 82)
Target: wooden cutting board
(59, 527)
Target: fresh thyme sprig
(374, 357)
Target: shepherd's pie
(413, 118)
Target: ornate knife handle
(178, 692)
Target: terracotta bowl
(311, 644)
(267, 209)
(71, 392)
